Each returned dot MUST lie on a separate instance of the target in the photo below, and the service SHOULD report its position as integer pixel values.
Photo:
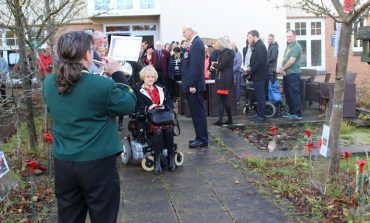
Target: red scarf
(154, 95)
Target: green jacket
(84, 123)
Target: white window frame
(308, 38)
(155, 33)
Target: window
(144, 27)
(147, 4)
(300, 28)
(124, 4)
(357, 44)
(10, 39)
(117, 28)
(287, 26)
(101, 5)
(311, 37)
(315, 28)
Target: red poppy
(346, 155)
(319, 143)
(348, 5)
(309, 146)
(308, 133)
(48, 137)
(274, 129)
(361, 164)
(33, 165)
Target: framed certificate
(125, 48)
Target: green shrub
(346, 127)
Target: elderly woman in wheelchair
(158, 136)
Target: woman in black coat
(154, 96)
(224, 79)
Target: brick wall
(354, 62)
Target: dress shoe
(229, 122)
(197, 144)
(218, 123)
(191, 141)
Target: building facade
(317, 37)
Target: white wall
(215, 19)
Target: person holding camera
(154, 96)
(84, 107)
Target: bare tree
(347, 18)
(34, 23)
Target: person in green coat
(84, 107)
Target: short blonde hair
(222, 43)
(148, 69)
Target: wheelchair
(136, 145)
(273, 108)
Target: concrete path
(207, 188)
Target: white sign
(125, 48)
(4, 168)
(325, 141)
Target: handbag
(161, 116)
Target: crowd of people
(86, 140)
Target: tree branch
(356, 13)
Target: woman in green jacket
(84, 108)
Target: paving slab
(207, 188)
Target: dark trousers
(198, 115)
(224, 104)
(87, 186)
(259, 93)
(160, 139)
(3, 92)
(291, 84)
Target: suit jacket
(258, 65)
(193, 67)
(163, 62)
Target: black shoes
(171, 163)
(218, 123)
(197, 144)
(157, 167)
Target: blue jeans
(291, 84)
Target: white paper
(4, 168)
(125, 48)
(325, 141)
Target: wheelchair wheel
(179, 158)
(148, 163)
(126, 152)
(270, 110)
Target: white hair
(98, 35)
(158, 43)
(190, 26)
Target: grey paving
(207, 188)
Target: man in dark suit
(258, 73)
(193, 85)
